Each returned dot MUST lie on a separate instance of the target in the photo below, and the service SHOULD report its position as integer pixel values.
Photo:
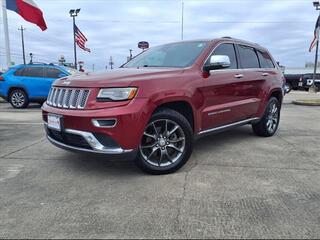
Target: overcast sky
(112, 27)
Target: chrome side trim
(228, 126)
(97, 147)
(96, 123)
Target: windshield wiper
(150, 66)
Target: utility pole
(182, 19)
(22, 41)
(313, 87)
(130, 55)
(74, 13)
(111, 63)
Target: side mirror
(61, 75)
(217, 62)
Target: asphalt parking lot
(236, 185)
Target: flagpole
(182, 19)
(6, 33)
(313, 87)
(74, 42)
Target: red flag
(29, 10)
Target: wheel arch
(180, 105)
(12, 88)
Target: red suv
(154, 106)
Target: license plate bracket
(55, 122)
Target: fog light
(104, 123)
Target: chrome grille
(68, 98)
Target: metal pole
(74, 42)
(182, 20)
(22, 40)
(6, 33)
(313, 87)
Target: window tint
(33, 72)
(248, 57)
(53, 73)
(228, 50)
(265, 60)
(19, 72)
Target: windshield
(170, 55)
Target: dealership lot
(235, 185)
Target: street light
(316, 5)
(74, 13)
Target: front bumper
(80, 133)
(88, 143)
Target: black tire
(18, 99)
(262, 128)
(288, 87)
(160, 127)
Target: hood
(117, 78)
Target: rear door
(33, 79)
(249, 88)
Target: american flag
(316, 35)
(81, 39)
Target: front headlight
(116, 94)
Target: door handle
(265, 74)
(238, 76)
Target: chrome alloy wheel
(273, 118)
(18, 99)
(163, 143)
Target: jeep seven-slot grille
(68, 98)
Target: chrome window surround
(239, 67)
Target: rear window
(248, 56)
(33, 72)
(52, 73)
(265, 60)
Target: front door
(222, 95)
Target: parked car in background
(292, 82)
(306, 81)
(155, 105)
(23, 84)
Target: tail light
(1, 78)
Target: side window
(228, 50)
(52, 73)
(34, 72)
(265, 60)
(19, 72)
(248, 56)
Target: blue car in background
(23, 84)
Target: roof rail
(227, 37)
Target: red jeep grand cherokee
(156, 105)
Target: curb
(304, 102)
